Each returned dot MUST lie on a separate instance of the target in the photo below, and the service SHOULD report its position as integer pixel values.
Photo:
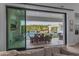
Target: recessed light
(62, 6)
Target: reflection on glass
(39, 33)
(44, 28)
(16, 21)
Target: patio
(54, 42)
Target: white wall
(74, 6)
(77, 23)
(70, 16)
(2, 27)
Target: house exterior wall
(70, 16)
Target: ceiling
(45, 14)
(74, 6)
(45, 19)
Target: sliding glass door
(32, 28)
(16, 28)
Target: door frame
(65, 21)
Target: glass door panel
(16, 32)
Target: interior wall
(70, 16)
